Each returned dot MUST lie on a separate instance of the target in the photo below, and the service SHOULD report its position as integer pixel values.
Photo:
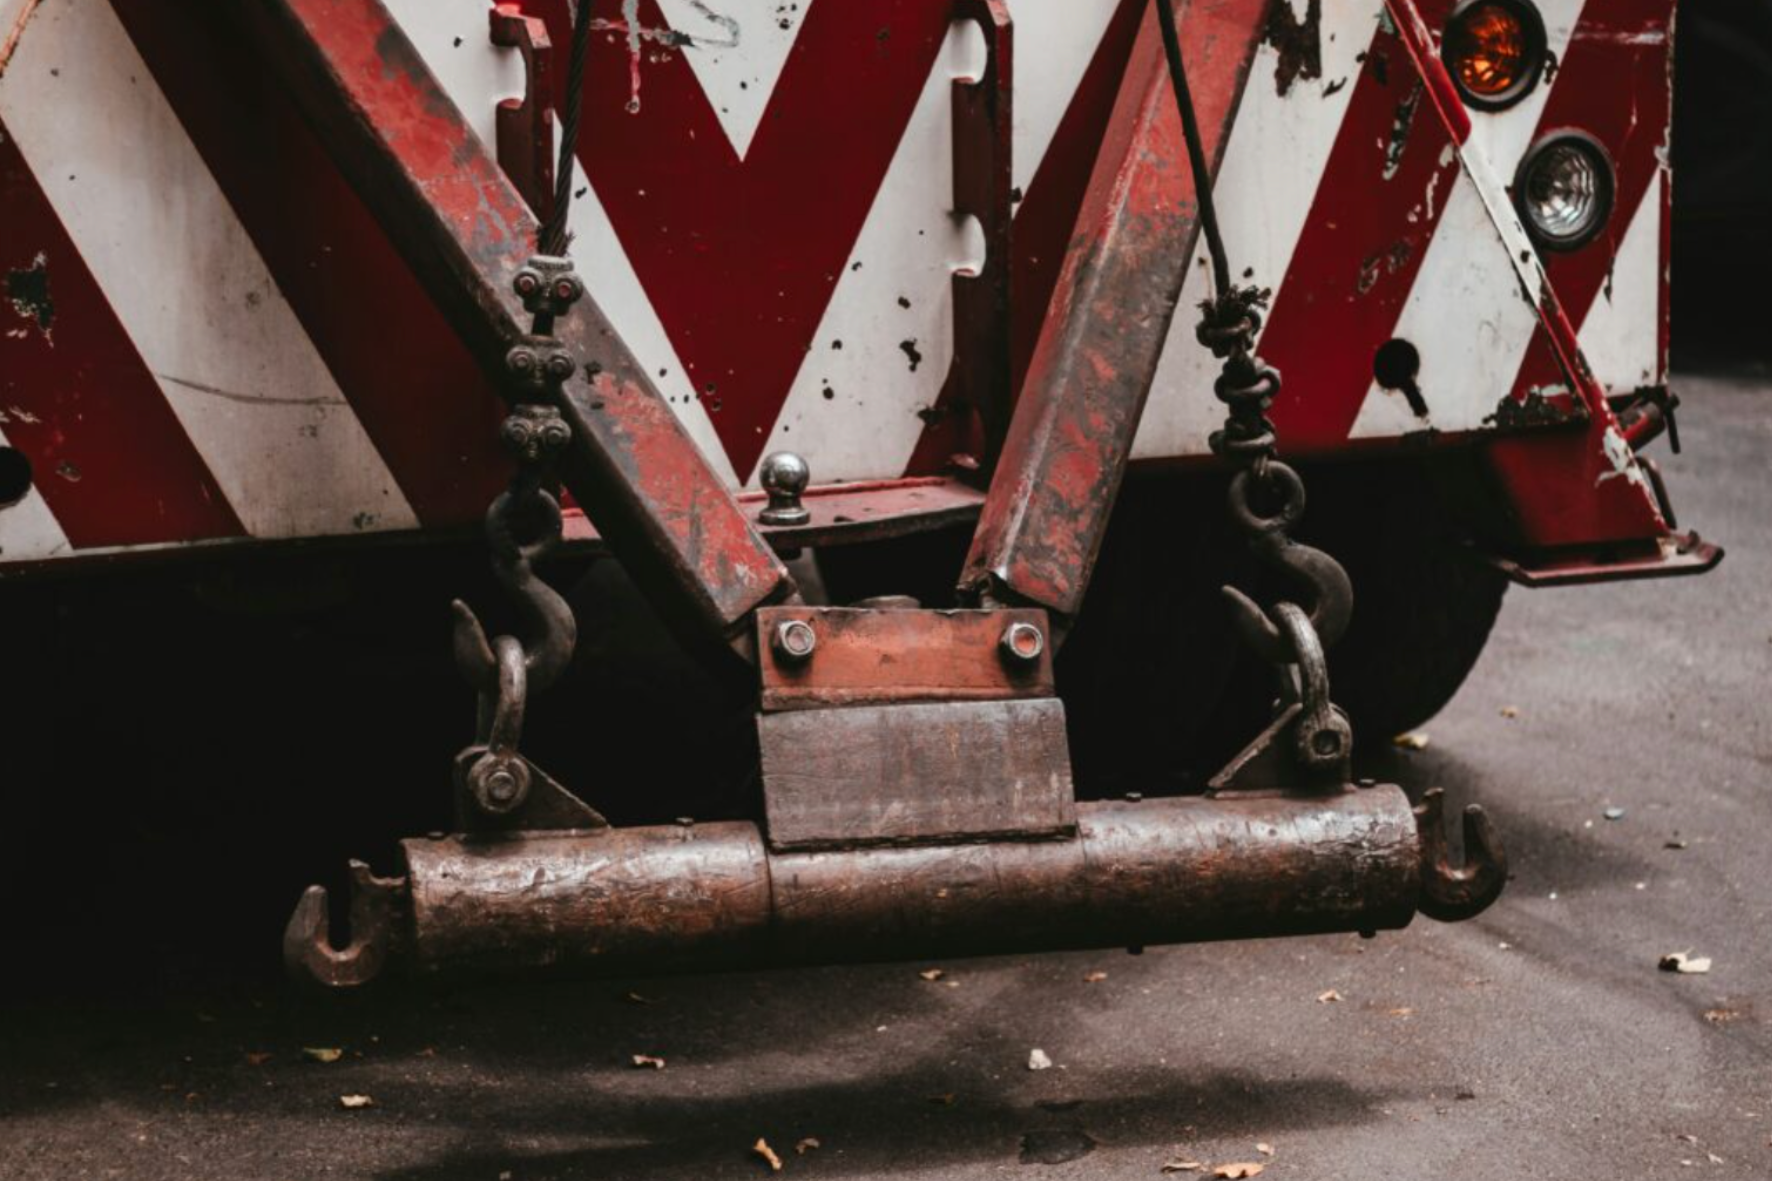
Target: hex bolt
(1022, 643)
(498, 784)
(784, 477)
(793, 641)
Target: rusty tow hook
(1453, 895)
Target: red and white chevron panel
(207, 338)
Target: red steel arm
(1073, 428)
(465, 231)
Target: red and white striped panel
(230, 348)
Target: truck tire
(1159, 690)
(1423, 604)
(1422, 616)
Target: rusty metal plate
(861, 656)
(907, 774)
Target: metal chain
(1266, 496)
(524, 523)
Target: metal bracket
(542, 805)
(526, 125)
(984, 192)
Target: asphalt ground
(1540, 1040)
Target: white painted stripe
(1278, 150)
(1468, 317)
(1621, 337)
(28, 529)
(738, 51)
(240, 374)
(477, 76)
(910, 247)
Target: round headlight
(1495, 51)
(1564, 191)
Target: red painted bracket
(526, 148)
(1674, 556)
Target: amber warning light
(1495, 51)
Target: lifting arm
(466, 232)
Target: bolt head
(499, 785)
(794, 641)
(1023, 643)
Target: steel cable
(554, 237)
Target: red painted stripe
(109, 456)
(740, 257)
(1363, 245)
(1613, 84)
(413, 385)
(1044, 222)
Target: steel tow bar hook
(1331, 599)
(376, 912)
(1452, 895)
(1324, 739)
(498, 777)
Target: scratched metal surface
(1578, 1057)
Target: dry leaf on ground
(1039, 1060)
(806, 1145)
(1241, 1169)
(258, 1057)
(1685, 963)
(1721, 1016)
(1411, 741)
(932, 974)
(648, 1061)
(1328, 998)
(762, 1149)
(1094, 977)
(1183, 1166)
(1510, 711)
(323, 1053)
(355, 1102)
(1265, 1149)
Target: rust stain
(637, 36)
(1543, 405)
(1299, 43)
